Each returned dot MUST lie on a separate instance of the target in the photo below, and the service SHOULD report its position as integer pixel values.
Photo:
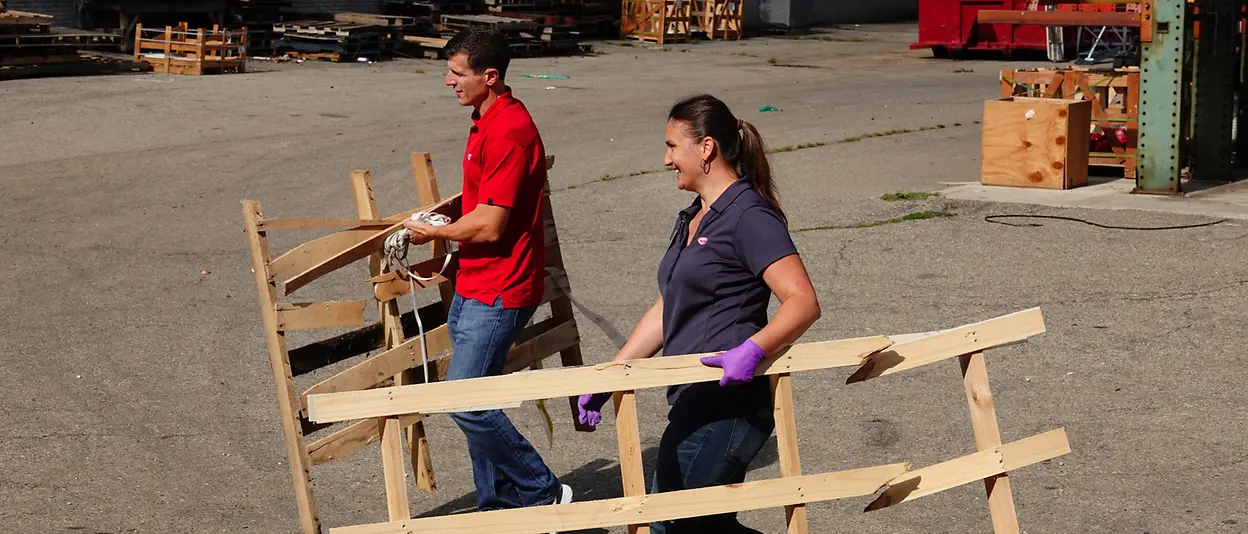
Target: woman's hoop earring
(706, 166)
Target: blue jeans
(700, 450)
(506, 469)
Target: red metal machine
(951, 26)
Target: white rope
(396, 260)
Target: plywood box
(1036, 142)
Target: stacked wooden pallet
(27, 39)
(717, 19)
(1114, 94)
(182, 50)
(258, 18)
(656, 21)
(523, 33)
(427, 13)
(332, 40)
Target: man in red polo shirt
(501, 264)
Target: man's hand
(419, 232)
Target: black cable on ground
(995, 219)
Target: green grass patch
(802, 146)
(916, 216)
(908, 196)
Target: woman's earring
(706, 166)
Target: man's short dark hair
(486, 48)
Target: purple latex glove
(738, 364)
(589, 408)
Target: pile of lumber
(529, 35)
(29, 39)
(336, 40)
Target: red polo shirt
(505, 165)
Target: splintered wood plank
(548, 383)
(972, 468)
(357, 250)
(354, 437)
(392, 285)
(650, 508)
(628, 434)
(386, 365)
(313, 315)
(988, 436)
(287, 399)
(952, 343)
(785, 416)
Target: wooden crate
(656, 21)
(718, 19)
(1115, 106)
(1036, 142)
(180, 50)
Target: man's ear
(493, 78)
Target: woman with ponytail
(729, 252)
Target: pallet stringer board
(287, 398)
(392, 435)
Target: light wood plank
(628, 434)
(354, 437)
(785, 416)
(310, 223)
(306, 255)
(296, 448)
(427, 189)
(558, 285)
(649, 508)
(392, 333)
(988, 436)
(359, 249)
(541, 347)
(396, 481)
(951, 344)
(972, 468)
(314, 315)
(548, 383)
(386, 365)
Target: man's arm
(484, 224)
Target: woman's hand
(589, 408)
(738, 364)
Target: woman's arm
(647, 336)
(799, 307)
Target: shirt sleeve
(505, 165)
(762, 239)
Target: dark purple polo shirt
(714, 297)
